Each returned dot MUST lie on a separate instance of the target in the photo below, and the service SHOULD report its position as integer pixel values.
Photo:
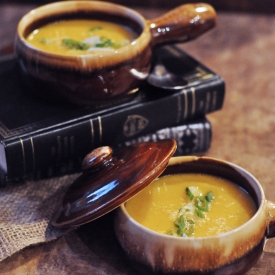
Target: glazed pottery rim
(132, 46)
(178, 159)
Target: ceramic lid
(111, 178)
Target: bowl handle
(271, 220)
(182, 24)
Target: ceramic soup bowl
(92, 79)
(233, 252)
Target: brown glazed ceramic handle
(271, 220)
(182, 24)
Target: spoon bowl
(161, 78)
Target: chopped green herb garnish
(209, 196)
(106, 42)
(199, 213)
(74, 44)
(189, 193)
(184, 227)
(179, 223)
(202, 204)
(198, 205)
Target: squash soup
(76, 37)
(194, 205)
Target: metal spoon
(160, 77)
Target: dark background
(251, 6)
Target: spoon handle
(182, 24)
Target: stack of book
(41, 139)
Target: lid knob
(96, 158)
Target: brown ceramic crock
(98, 78)
(110, 179)
(230, 253)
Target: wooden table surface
(242, 50)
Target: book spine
(27, 154)
(194, 137)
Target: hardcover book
(36, 134)
(192, 137)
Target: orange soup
(76, 37)
(191, 205)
